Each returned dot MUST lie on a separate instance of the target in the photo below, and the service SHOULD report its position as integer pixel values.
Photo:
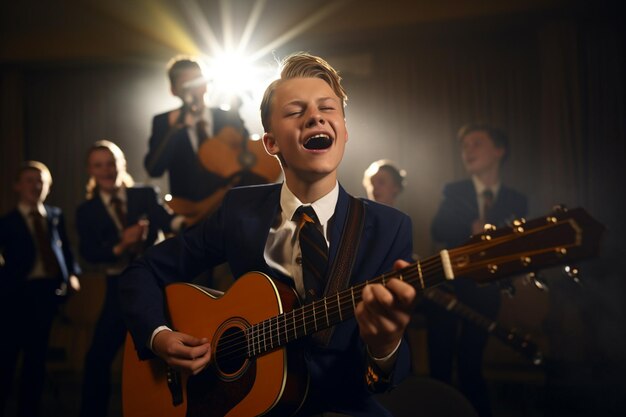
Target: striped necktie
(44, 245)
(314, 253)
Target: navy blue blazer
(98, 233)
(19, 250)
(452, 224)
(187, 176)
(237, 233)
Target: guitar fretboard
(331, 310)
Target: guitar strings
(255, 340)
(302, 319)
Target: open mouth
(318, 142)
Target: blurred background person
(466, 207)
(115, 224)
(384, 181)
(37, 270)
(180, 136)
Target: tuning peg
(573, 273)
(559, 208)
(488, 227)
(537, 280)
(518, 225)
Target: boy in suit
(116, 223)
(257, 229)
(177, 135)
(466, 207)
(37, 271)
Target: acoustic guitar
(257, 368)
(227, 154)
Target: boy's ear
(270, 144)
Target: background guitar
(231, 156)
(509, 336)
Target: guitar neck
(563, 236)
(508, 336)
(326, 312)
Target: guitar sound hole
(231, 353)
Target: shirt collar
(25, 209)
(480, 187)
(324, 207)
(121, 194)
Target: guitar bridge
(174, 385)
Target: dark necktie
(487, 202)
(314, 253)
(202, 131)
(118, 208)
(50, 263)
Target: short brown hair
(181, 63)
(301, 65)
(497, 136)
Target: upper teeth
(319, 136)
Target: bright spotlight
(233, 77)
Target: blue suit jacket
(19, 250)
(452, 224)
(237, 233)
(188, 178)
(98, 233)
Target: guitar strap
(341, 269)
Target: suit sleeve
(70, 261)
(402, 248)
(160, 146)
(94, 246)
(159, 214)
(178, 259)
(452, 223)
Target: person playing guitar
(258, 228)
(184, 143)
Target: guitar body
(228, 152)
(274, 383)
(195, 211)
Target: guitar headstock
(561, 237)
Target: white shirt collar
(480, 187)
(25, 209)
(324, 207)
(121, 194)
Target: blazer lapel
(255, 226)
(104, 214)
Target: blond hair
(120, 163)
(301, 65)
(35, 166)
